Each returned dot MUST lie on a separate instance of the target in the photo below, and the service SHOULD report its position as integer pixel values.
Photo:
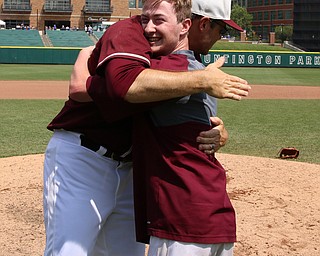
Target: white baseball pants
(165, 247)
(88, 201)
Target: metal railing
(8, 6)
(57, 7)
(96, 8)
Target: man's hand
(212, 140)
(79, 76)
(223, 85)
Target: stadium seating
(65, 38)
(10, 37)
(98, 34)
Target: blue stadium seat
(65, 38)
(98, 34)
(10, 37)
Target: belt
(87, 143)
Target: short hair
(182, 8)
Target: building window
(260, 2)
(132, 4)
(288, 1)
(266, 2)
(259, 16)
(17, 24)
(135, 3)
(280, 15)
(266, 15)
(255, 15)
(252, 3)
(57, 5)
(16, 5)
(273, 2)
(98, 6)
(288, 14)
(280, 1)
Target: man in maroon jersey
(186, 210)
(182, 185)
(87, 170)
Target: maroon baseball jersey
(180, 192)
(127, 43)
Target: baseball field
(277, 201)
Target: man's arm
(212, 140)
(216, 136)
(154, 85)
(79, 76)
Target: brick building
(303, 15)
(306, 29)
(267, 14)
(67, 13)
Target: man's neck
(182, 45)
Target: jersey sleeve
(124, 39)
(112, 110)
(120, 55)
(122, 72)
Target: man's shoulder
(176, 62)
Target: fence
(265, 59)
(38, 55)
(64, 55)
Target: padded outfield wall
(38, 55)
(62, 55)
(265, 59)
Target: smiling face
(162, 28)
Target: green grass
(35, 72)
(256, 127)
(277, 76)
(23, 125)
(237, 46)
(263, 127)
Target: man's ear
(204, 24)
(186, 24)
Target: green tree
(244, 19)
(284, 33)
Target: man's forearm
(154, 85)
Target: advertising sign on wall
(265, 59)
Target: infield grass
(35, 72)
(263, 127)
(256, 127)
(277, 76)
(23, 125)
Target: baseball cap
(215, 9)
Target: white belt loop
(101, 151)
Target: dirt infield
(277, 201)
(59, 90)
(34, 89)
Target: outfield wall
(38, 55)
(265, 59)
(64, 55)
